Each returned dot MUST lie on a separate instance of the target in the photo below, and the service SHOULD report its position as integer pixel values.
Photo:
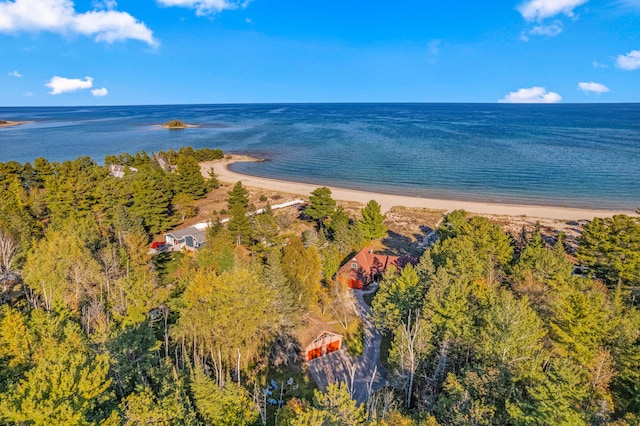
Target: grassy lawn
(354, 338)
(167, 264)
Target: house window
(354, 265)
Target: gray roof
(198, 234)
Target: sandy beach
(387, 201)
(11, 123)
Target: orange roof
(366, 267)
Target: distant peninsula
(4, 123)
(177, 124)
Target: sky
(140, 52)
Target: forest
(488, 328)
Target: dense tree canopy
(482, 330)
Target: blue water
(578, 155)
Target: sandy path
(387, 201)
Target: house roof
(198, 234)
(370, 264)
(314, 328)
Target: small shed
(326, 343)
(189, 238)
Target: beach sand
(12, 123)
(387, 201)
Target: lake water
(577, 155)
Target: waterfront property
(117, 170)
(367, 267)
(189, 238)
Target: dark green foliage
(321, 205)
(187, 179)
(371, 222)
(104, 335)
(151, 199)
(611, 248)
(239, 223)
(139, 159)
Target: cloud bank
(532, 95)
(60, 16)
(630, 61)
(100, 92)
(593, 87)
(206, 7)
(537, 10)
(60, 85)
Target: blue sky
(106, 52)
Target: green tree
(239, 223)
(333, 407)
(230, 405)
(184, 205)
(188, 178)
(321, 205)
(372, 221)
(151, 199)
(212, 180)
(396, 297)
(611, 248)
(67, 384)
(303, 268)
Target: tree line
(97, 331)
(485, 329)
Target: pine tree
(188, 178)
(321, 205)
(371, 222)
(239, 223)
(151, 199)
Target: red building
(366, 267)
(326, 343)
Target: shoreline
(184, 126)
(4, 123)
(387, 201)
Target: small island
(4, 123)
(177, 124)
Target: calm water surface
(579, 155)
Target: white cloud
(630, 61)
(105, 4)
(15, 74)
(593, 87)
(532, 95)
(537, 10)
(100, 92)
(60, 16)
(551, 30)
(597, 65)
(29, 94)
(206, 7)
(60, 85)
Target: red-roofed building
(365, 268)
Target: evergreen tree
(239, 223)
(321, 205)
(151, 199)
(188, 178)
(372, 221)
